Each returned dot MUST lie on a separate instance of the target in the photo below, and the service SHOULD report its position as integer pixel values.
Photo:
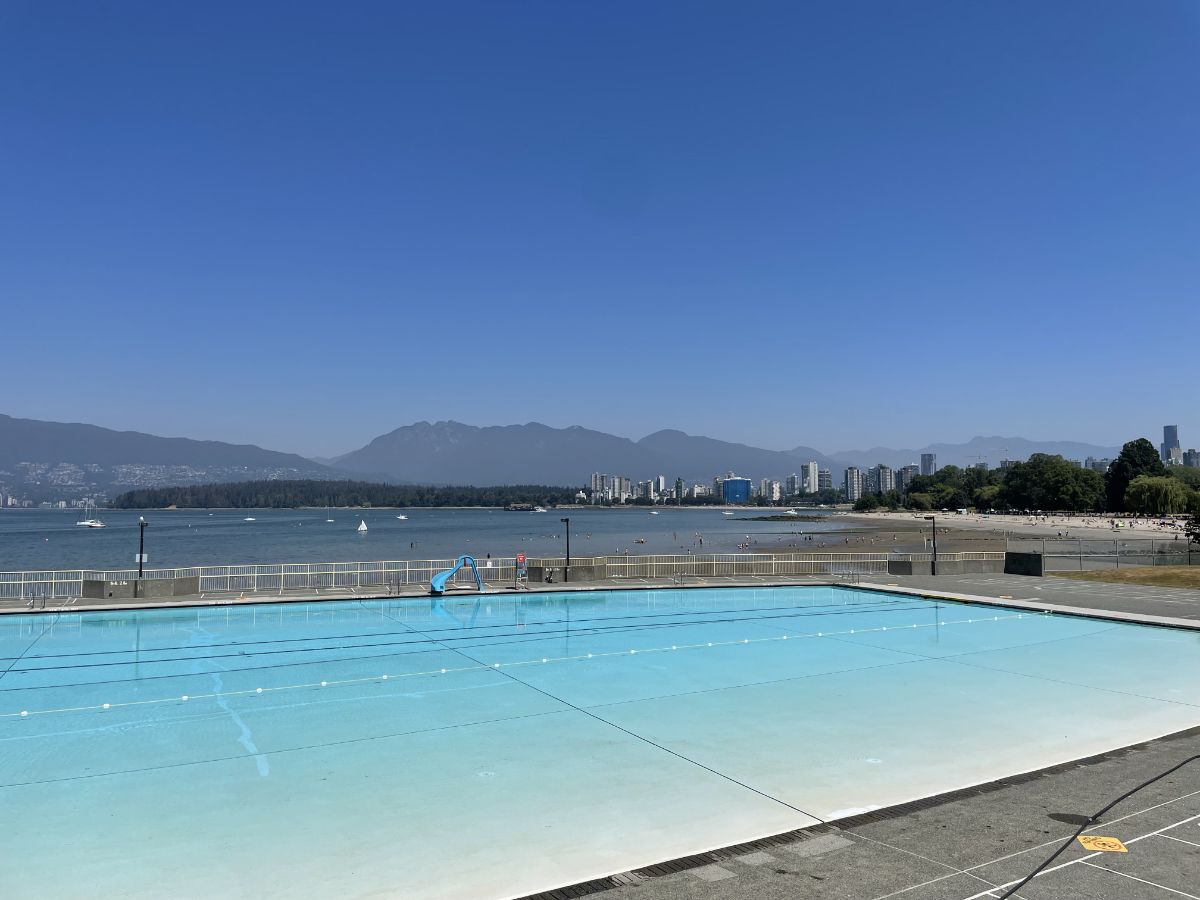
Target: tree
(1050, 482)
(986, 496)
(1156, 495)
(866, 502)
(919, 501)
(1137, 458)
(1192, 529)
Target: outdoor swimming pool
(496, 745)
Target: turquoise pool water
(498, 745)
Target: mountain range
(66, 457)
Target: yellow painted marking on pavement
(1107, 844)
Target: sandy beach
(1088, 527)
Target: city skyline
(377, 215)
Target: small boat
(329, 520)
(539, 509)
(362, 526)
(249, 519)
(790, 512)
(91, 521)
(654, 512)
(402, 518)
(727, 513)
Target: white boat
(92, 521)
(362, 526)
(329, 520)
(402, 518)
(790, 512)
(654, 512)
(539, 509)
(249, 519)
(727, 513)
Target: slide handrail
(437, 584)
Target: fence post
(1080, 553)
(1117, 553)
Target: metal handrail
(391, 574)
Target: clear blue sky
(838, 224)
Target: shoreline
(1083, 526)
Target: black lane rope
(634, 734)
(1091, 820)
(849, 609)
(29, 647)
(523, 637)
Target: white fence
(397, 574)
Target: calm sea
(50, 539)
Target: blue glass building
(735, 490)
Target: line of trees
(1136, 482)
(292, 494)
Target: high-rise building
(679, 490)
(905, 476)
(735, 490)
(770, 490)
(1097, 464)
(854, 483)
(1191, 458)
(824, 480)
(881, 479)
(793, 485)
(660, 484)
(812, 477)
(928, 463)
(1170, 441)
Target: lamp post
(933, 567)
(567, 570)
(141, 554)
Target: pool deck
(969, 845)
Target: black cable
(1091, 820)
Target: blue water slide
(437, 584)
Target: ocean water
(487, 746)
(49, 539)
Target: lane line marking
(1084, 858)
(1142, 880)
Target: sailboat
(402, 518)
(362, 526)
(91, 521)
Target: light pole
(933, 566)
(141, 555)
(567, 570)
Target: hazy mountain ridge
(980, 448)
(453, 453)
(67, 455)
(41, 459)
